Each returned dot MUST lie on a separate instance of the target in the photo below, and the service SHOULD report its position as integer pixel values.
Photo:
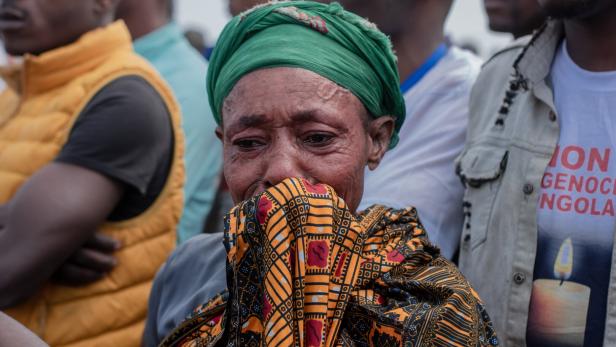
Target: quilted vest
(45, 96)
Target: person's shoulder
(460, 69)
(184, 268)
(200, 249)
(126, 122)
(464, 58)
(453, 76)
(499, 67)
(488, 91)
(194, 273)
(139, 98)
(503, 59)
(181, 62)
(129, 90)
(128, 105)
(213, 240)
(193, 55)
(185, 72)
(513, 49)
(130, 84)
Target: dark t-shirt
(125, 133)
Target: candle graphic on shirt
(563, 266)
(559, 307)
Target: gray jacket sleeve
(150, 336)
(194, 273)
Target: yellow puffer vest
(46, 95)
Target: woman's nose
(282, 164)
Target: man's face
(576, 8)
(289, 122)
(238, 6)
(518, 17)
(128, 7)
(36, 26)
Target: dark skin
(517, 17)
(289, 122)
(415, 26)
(143, 16)
(590, 30)
(69, 203)
(58, 209)
(95, 258)
(238, 6)
(36, 26)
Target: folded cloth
(303, 270)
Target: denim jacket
(513, 132)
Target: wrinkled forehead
(290, 94)
(288, 81)
(283, 89)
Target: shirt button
(519, 277)
(528, 189)
(467, 237)
(552, 116)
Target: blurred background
(466, 26)
(467, 23)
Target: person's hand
(90, 263)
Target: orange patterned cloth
(303, 270)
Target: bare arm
(47, 220)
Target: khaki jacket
(509, 145)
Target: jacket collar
(535, 61)
(38, 74)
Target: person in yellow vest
(90, 140)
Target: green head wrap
(324, 39)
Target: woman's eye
(247, 144)
(318, 139)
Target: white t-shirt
(576, 212)
(420, 171)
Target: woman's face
(289, 122)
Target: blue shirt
(184, 69)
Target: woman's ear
(380, 131)
(219, 133)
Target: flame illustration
(563, 266)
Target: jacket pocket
(480, 169)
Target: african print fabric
(303, 270)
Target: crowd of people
(337, 174)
